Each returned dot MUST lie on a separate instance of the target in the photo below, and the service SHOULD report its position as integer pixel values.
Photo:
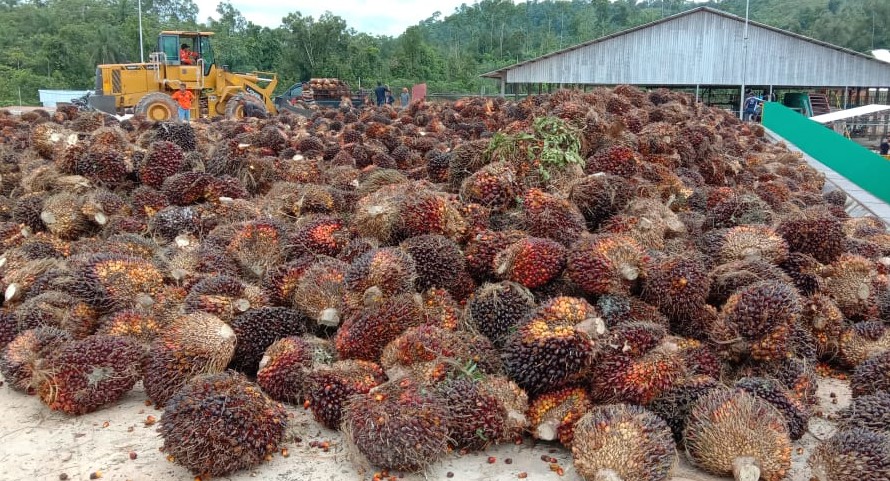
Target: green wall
(858, 164)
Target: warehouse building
(717, 54)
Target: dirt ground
(40, 445)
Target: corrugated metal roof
(702, 46)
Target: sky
(375, 17)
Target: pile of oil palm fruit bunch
(627, 273)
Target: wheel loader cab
(199, 42)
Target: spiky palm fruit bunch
(871, 376)
(377, 215)
(852, 454)
(186, 188)
(482, 248)
(258, 246)
(286, 363)
(633, 338)
(728, 278)
(113, 281)
(328, 387)
(870, 412)
(280, 282)
(26, 211)
(377, 178)
(191, 344)
(674, 404)
(101, 205)
(146, 202)
(819, 236)
(805, 272)
(622, 441)
(62, 216)
(104, 166)
(495, 310)
(796, 413)
(180, 134)
(731, 430)
(600, 196)
(862, 341)
(257, 329)
(132, 245)
(323, 235)
(142, 327)
(849, 282)
(82, 376)
(620, 309)
(162, 160)
(423, 211)
(494, 186)
(389, 269)
(437, 166)
(400, 425)
(366, 332)
(647, 232)
(172, 221)
(617, 160)
(223, 296)
(59, 309)
(678, 286)
(532, 262)
(26, 351)
(477, 417)
(825, 322)
(552, 415)
(431, 350)
(548, 216)
(438, 260)
(47, 137)
(758, 320)
(750, 242)
(20, 279)
(555, 346)
(698, 357)
(442, 310)
(606, 264)
(739, 209)
(466, 158)
(241, 425)
(319, 290)
(10, 327)
(620, 375)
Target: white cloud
(380, 17)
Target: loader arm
(260, 85)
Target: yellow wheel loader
(145, 88)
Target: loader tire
(157, 106)
(235, 106)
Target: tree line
(58, 43)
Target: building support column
(503, 86)
(697, 98)
(770, 93)
(846, 97)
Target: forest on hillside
(58, 43)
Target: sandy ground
(40, 445)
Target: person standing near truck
(184, 98)
(380, 93)
(404, 97)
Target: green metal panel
(849, 159)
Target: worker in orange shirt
(186, 56)
(184, 98)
